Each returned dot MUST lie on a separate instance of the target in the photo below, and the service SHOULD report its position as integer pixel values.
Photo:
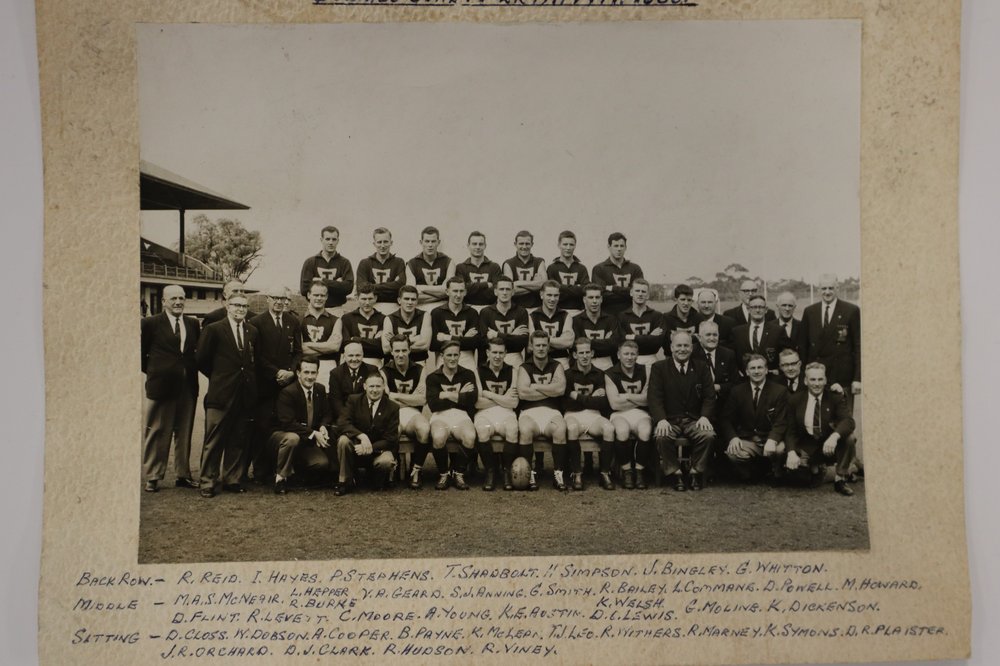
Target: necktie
(816, 424)
(756, 396)
(684, 368)
(177, 332)
(826, 315)
(711, 363)
(239, 336)
(756, 337)
(371, 408)
(309, 407)
(792, 385)
(278, 320)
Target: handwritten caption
(469, 609)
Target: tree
(226, 246)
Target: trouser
(383, 462)
(811, 453)
(292, 452)
(260, 454)
(748, 459)
(700, 442)
(226, 433)
(166, 420)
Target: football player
(585, 404)
(541, 383)
(457, 322)
(627, 384)
(495, 413)
(405, 385)
(451, 397)
(384, 271)
(507, 320)
(430, 269)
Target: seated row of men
(625, 410)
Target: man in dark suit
(227, 355)
(348, 378)
(302, 427)
(759, 337)
(369, 435)
(168, 343)
(753, 422)
(707, 304)
(278, 354)
(786, 320)
(790, 366)
(741, 313)
(720, 360)
(231, 288)
(821, 430)
(682, 404)
(831, 335)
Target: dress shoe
(696, 481)
(458, 480)
(606, 481)
(415, 478)
(443, 482)
(488, 483)
(532, 482)
(628, 479)
(207, 492)
(557, 480)
(185, 482)
(341, 489)
(234, 488)
(640, 483)
(816, 477)
(679, 484)
(151, 487)
(841, 487)
(280, 487)
(577, 481)
(508, 480)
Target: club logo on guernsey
(445, 388)
(456, 327)
(542, 377)
(431, 275)
(315, 332)
(479, 277)
(367, 332)
(634, 388)
(640, 329)
(327, 273)
(596, 334)
(496, 387)
(504, 327)
(583, 389)
(404, 386)
(567, 278)
(551, 328)
(525, 274)
(381, 275)
(408, 332)
(622, 280)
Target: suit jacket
(341, 387)
(218, 314)
(799, 388)
(768, 420)
(725, 371)
(835, 416)
(673, 396)
(838, 346)
(382, 429)
(795, 339)
(169, 370)
(736, 314)
(278, 350)
(292, 413)
(232, 373)
(772, 341)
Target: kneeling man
(303, 425)
(754, 421)
(369, 435)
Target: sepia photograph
(425, 290)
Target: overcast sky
(705, 143)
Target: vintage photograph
(414, 290)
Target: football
(520, 473)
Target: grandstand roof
(160, 189)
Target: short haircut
(756, 297)
(504, 278)
(310, 359)
(567, 234)
(375, 375)
(430, 231)
(498, 341)
(708, 324)
(582, 340)
(228, 288)
(329, 229)
(381, 230)
(538, 334)
(408, 289)
(642, 281)
(786, 352)
(399, 337)
(677, 332)
(683, 289)
(753, 357)
(593, 286)
(318, 282)
(710, 292)
(366, 288)
(454, 279)
(815, 365)
(550, 284)
(475, 234)
(524, 233)
(616, 236)
(449, 344)
(632, 344)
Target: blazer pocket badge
(841, 333)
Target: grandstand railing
(160, 270)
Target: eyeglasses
(239, 306)
(749, 291)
